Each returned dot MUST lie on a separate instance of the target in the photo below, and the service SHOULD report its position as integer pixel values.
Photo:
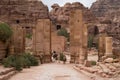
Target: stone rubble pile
(102, 69)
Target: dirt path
(53, 71)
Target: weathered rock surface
(24, 12)
(60, 15)
(101, 7)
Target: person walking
(55, 55)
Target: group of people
(58, 57)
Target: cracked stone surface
(52, 71)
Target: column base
(108, 54)
(47, 59)
(74, 59)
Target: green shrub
(20, 61)
(62, 57)
(5, 32)
(31, 60)
(93, 63)
(13, 61)
(29, 36)
(63, 32)
(9, 61)
(90, 41)
(25, 62)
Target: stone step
(6, 70)
(7, 75)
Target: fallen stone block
(108, 60)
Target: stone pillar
(47, 40)
(18, 39)
(11, 48)
(101, 50)
(34, 41)
(2, 50)
(76, 25)
(78, 37)
(42, 39)
(83, 55)
(108, 47)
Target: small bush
(62, 57)
(5, 32)
(9, 61)
(29, 36)
(93, 63)
(63, 32)
(13, 61)
(20, 61)
(32, 60)
(90, 41)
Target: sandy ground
(52, 71)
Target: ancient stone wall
(58, 43)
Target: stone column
(76, 25)
(18, 39)
(83, 54)
(108, 47)
(11, 48)
(101, 48)
(42, 39)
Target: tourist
(55, 56)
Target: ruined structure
(78, 37)
(108, 14)
(22, 16)
(101, 47)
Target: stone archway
(78, 38)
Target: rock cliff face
(108, 13)
(101, 7)
(60, 15)
(24, 12)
